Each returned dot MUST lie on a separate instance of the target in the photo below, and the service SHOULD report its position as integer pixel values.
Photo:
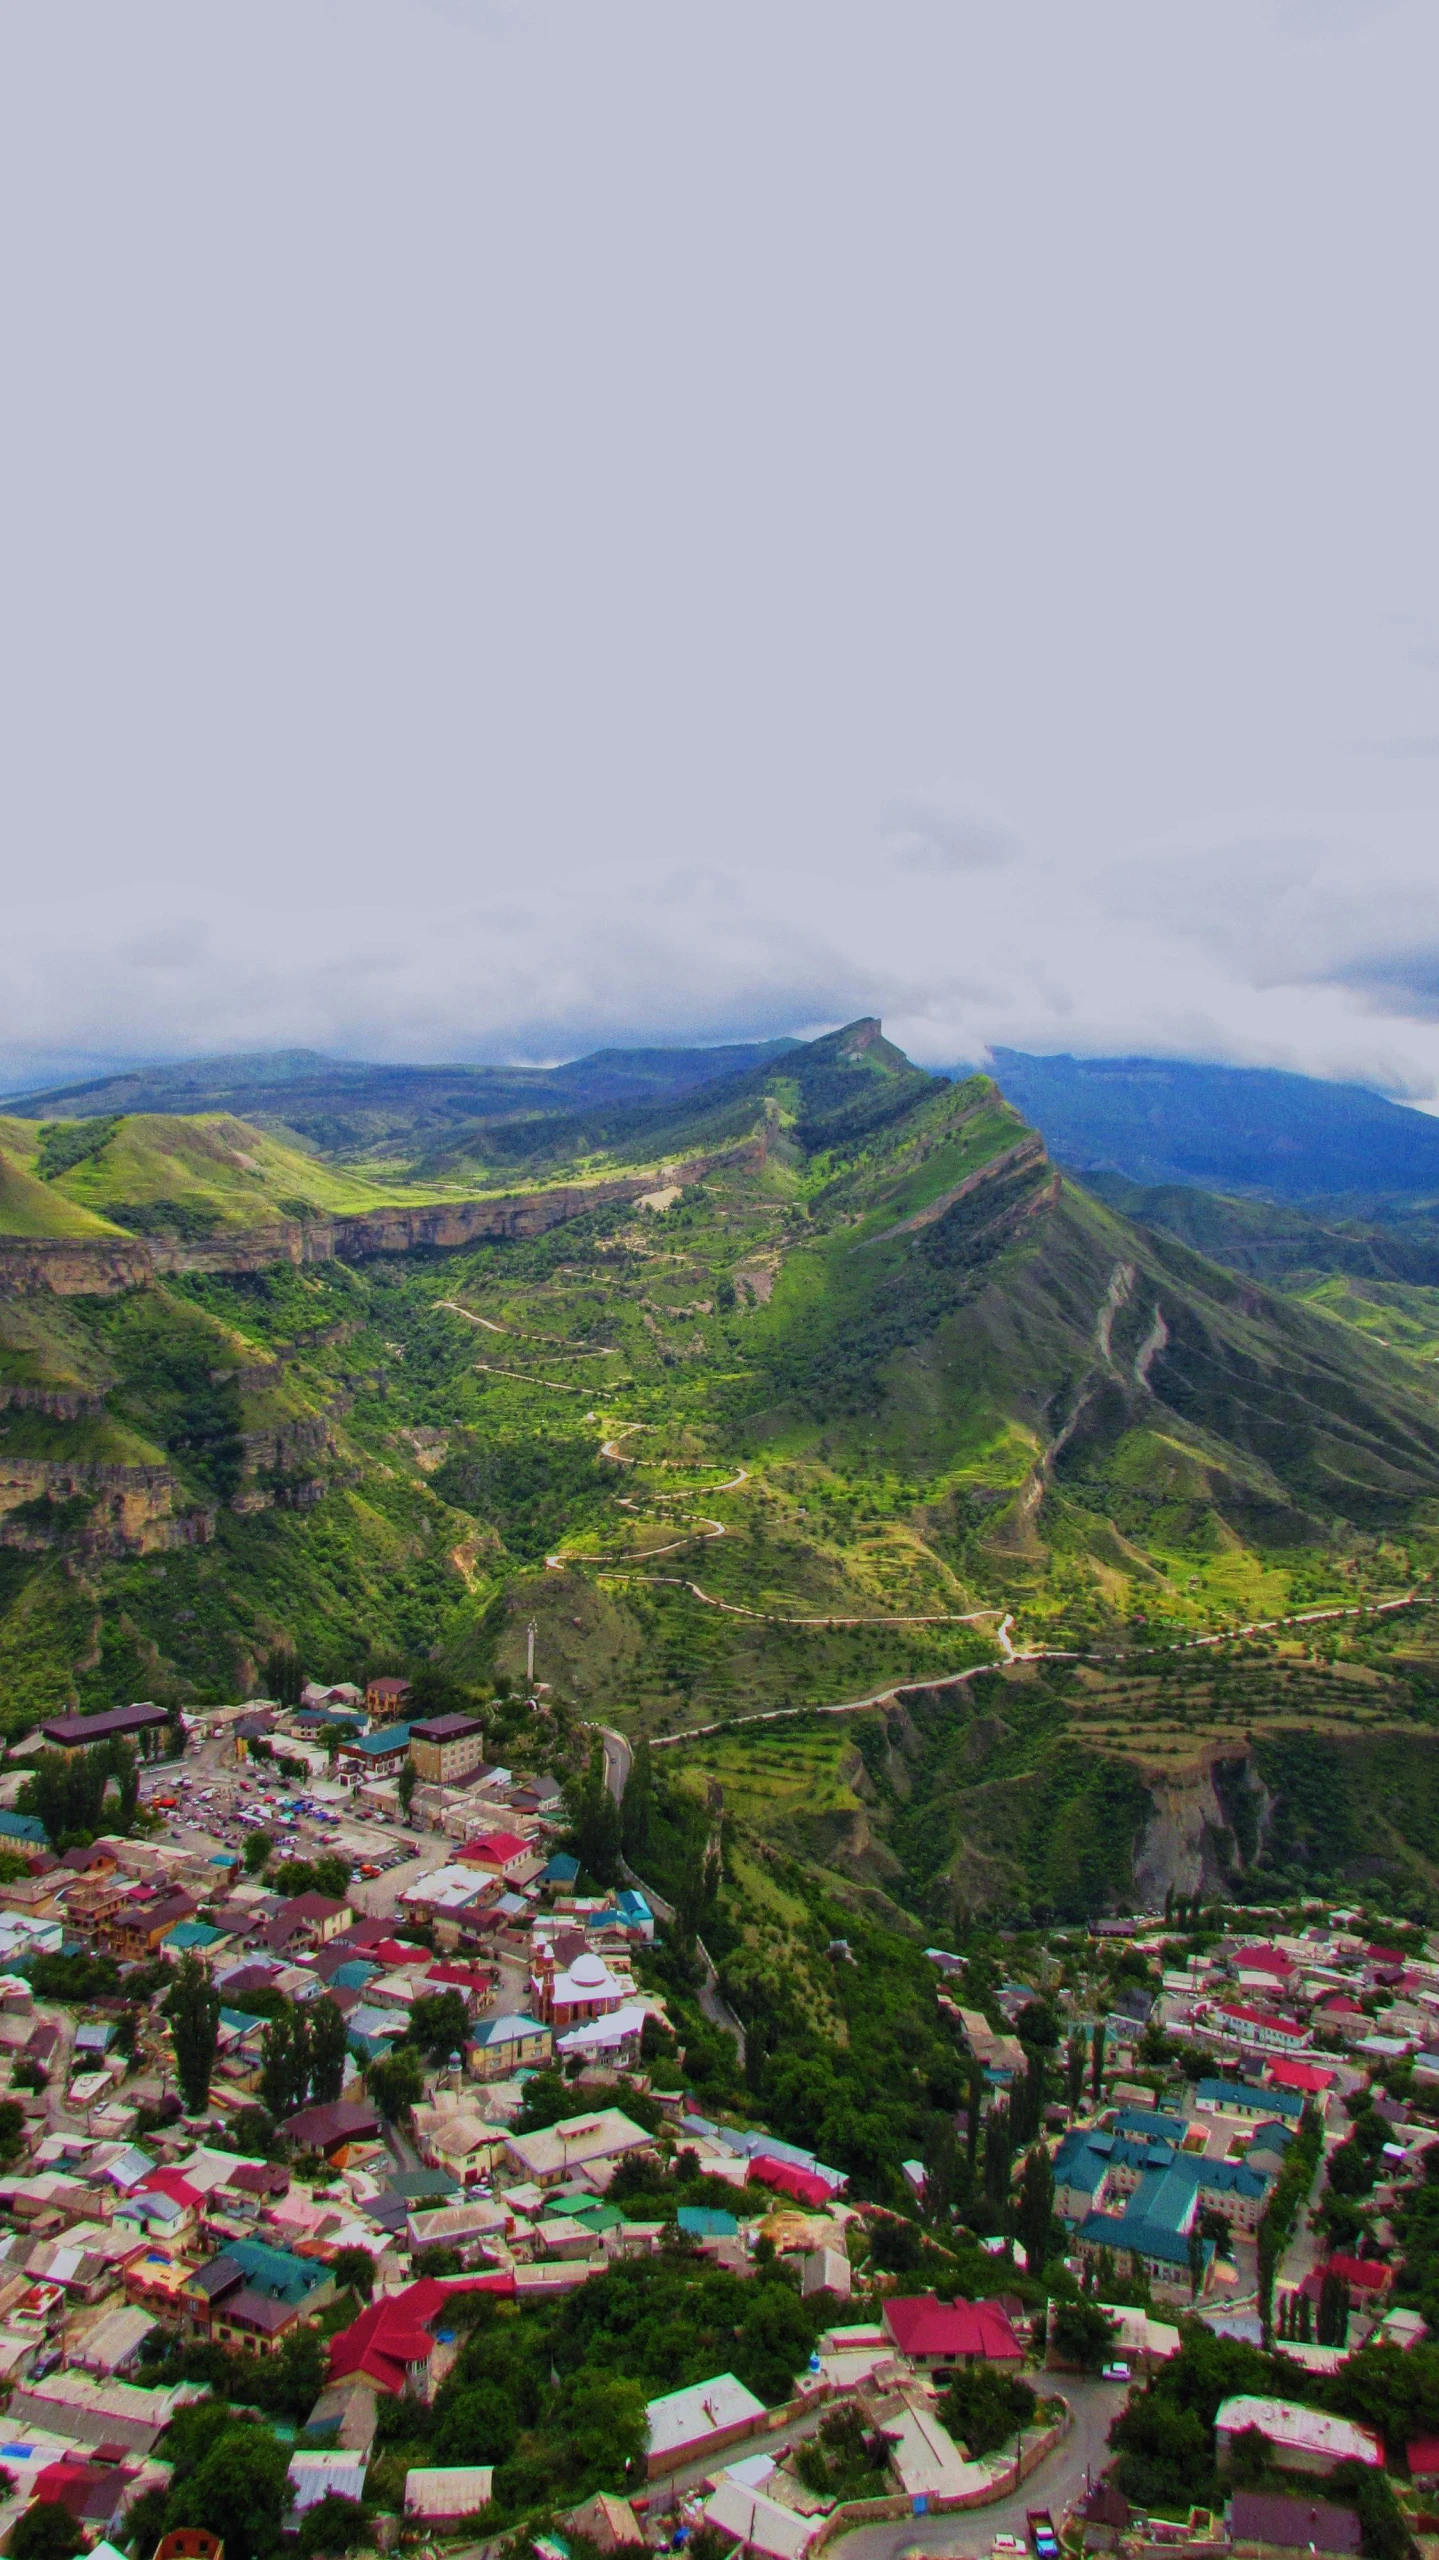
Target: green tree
(257, 1852)
(1196, 2262)
(333, 2524)
(332, 1875)
(594, 1833)
(405, 1786)
(1083, 2332)
(998, 2156)
(1036, 2208)
(440, 2024)
(328, 2045)
(193, 2009)
(282, 1675)
(1074, 2073)
(1332, 2325)
(481, 2423)
(637, 1805)
(396, 2082)
(285, 2062)
(1096, 2061)
(239, 2491)
(46, 2531)
(354, 2272)
(984, 2407)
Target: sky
(537, 523)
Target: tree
(1026, 2099)
(405, 1786)
(257, 1852)
(1074, 2073)
(974, 2109)
(1096, 2061)
(1037, 2025)
(998, 2157)
(354, 2272)
(333, 2524)
(285, 2062)
(1036, 2208)
(985, 2407)
(637, 1804)
(440, 2024)
(396, 2082)
(193, 2009)
(1083, 2332)
(1332, 2325)
(238, 2491)
(1196, 2262)
(282, 1675)
(594, 1833)
(332, 1875)
(46, 2531)
(480, 2424)
(328, 2045)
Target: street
(1058, 2479)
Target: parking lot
(211, 1804)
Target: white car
(1116, 2373)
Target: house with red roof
(1271, 1961)
(930, 2332)
(393, 2342)
(787, 2178)
(1309, 2078)
(1365, 2277)
(499, 1853)
(1263, 2027)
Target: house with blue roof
(706, 2222)
(1094, 2171)
(1245, 2098)
(563, 1871)
(192, 1938)
(25, 1828)
(1145, 2124)
(377, 1755)
(636, 1914)
(1154, 2230)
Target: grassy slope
(934, 1398)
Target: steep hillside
(872, 1397)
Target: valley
(826, 1385)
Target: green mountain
(1249, 1130)
(355, 1107)
(829, 1384)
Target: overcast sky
(529, 523)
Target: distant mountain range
(352, 1106)
(1253, 1131)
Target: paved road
(1060, 2478)
(618, 1760)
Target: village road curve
(1058, 2479)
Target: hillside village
(336, 2092)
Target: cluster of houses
(1327, 1990)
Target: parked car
(1117, 2373)
(1042, 2534)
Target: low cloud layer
(543, 526)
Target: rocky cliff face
(1206, 1828)
(129, 1510)
(102, 1268)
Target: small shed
(449, 2493)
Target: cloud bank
(534, 527)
